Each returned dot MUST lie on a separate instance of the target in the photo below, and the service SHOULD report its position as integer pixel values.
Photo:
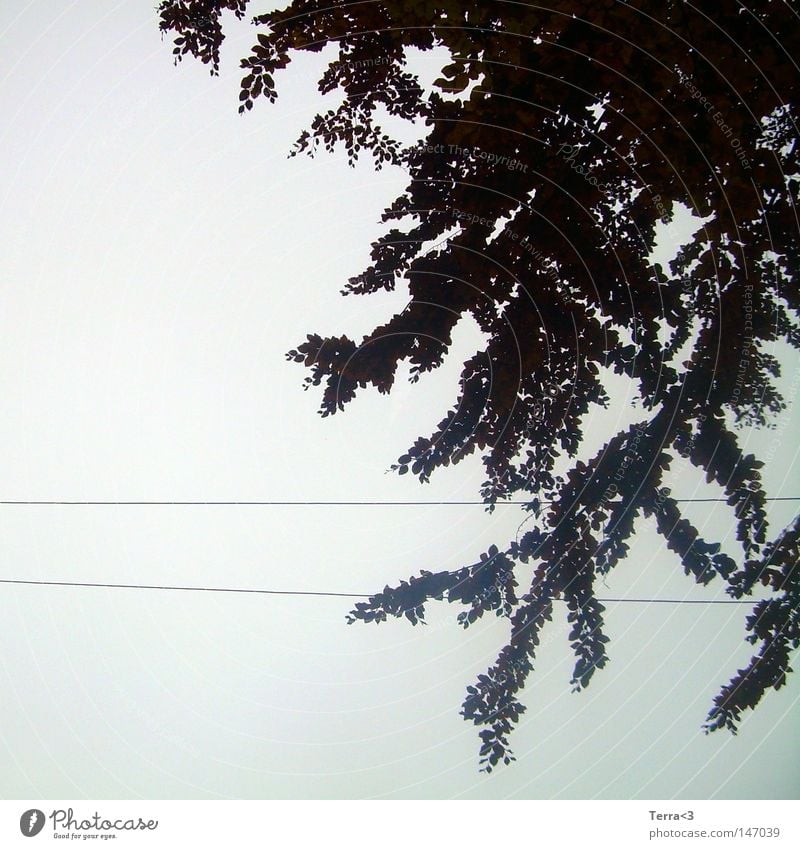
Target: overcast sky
(160, 255)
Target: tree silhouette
(558, 138)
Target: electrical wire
(55, 503)
(320, 504)
(324, 593)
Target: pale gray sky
(161, 254)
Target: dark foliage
(557, 138)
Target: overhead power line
(54, 503)
(184, 589)
(258, 591)
(324, 593)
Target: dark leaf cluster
(559, 138)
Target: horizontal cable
(185, 589)
(327, 503)
(339, 595)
